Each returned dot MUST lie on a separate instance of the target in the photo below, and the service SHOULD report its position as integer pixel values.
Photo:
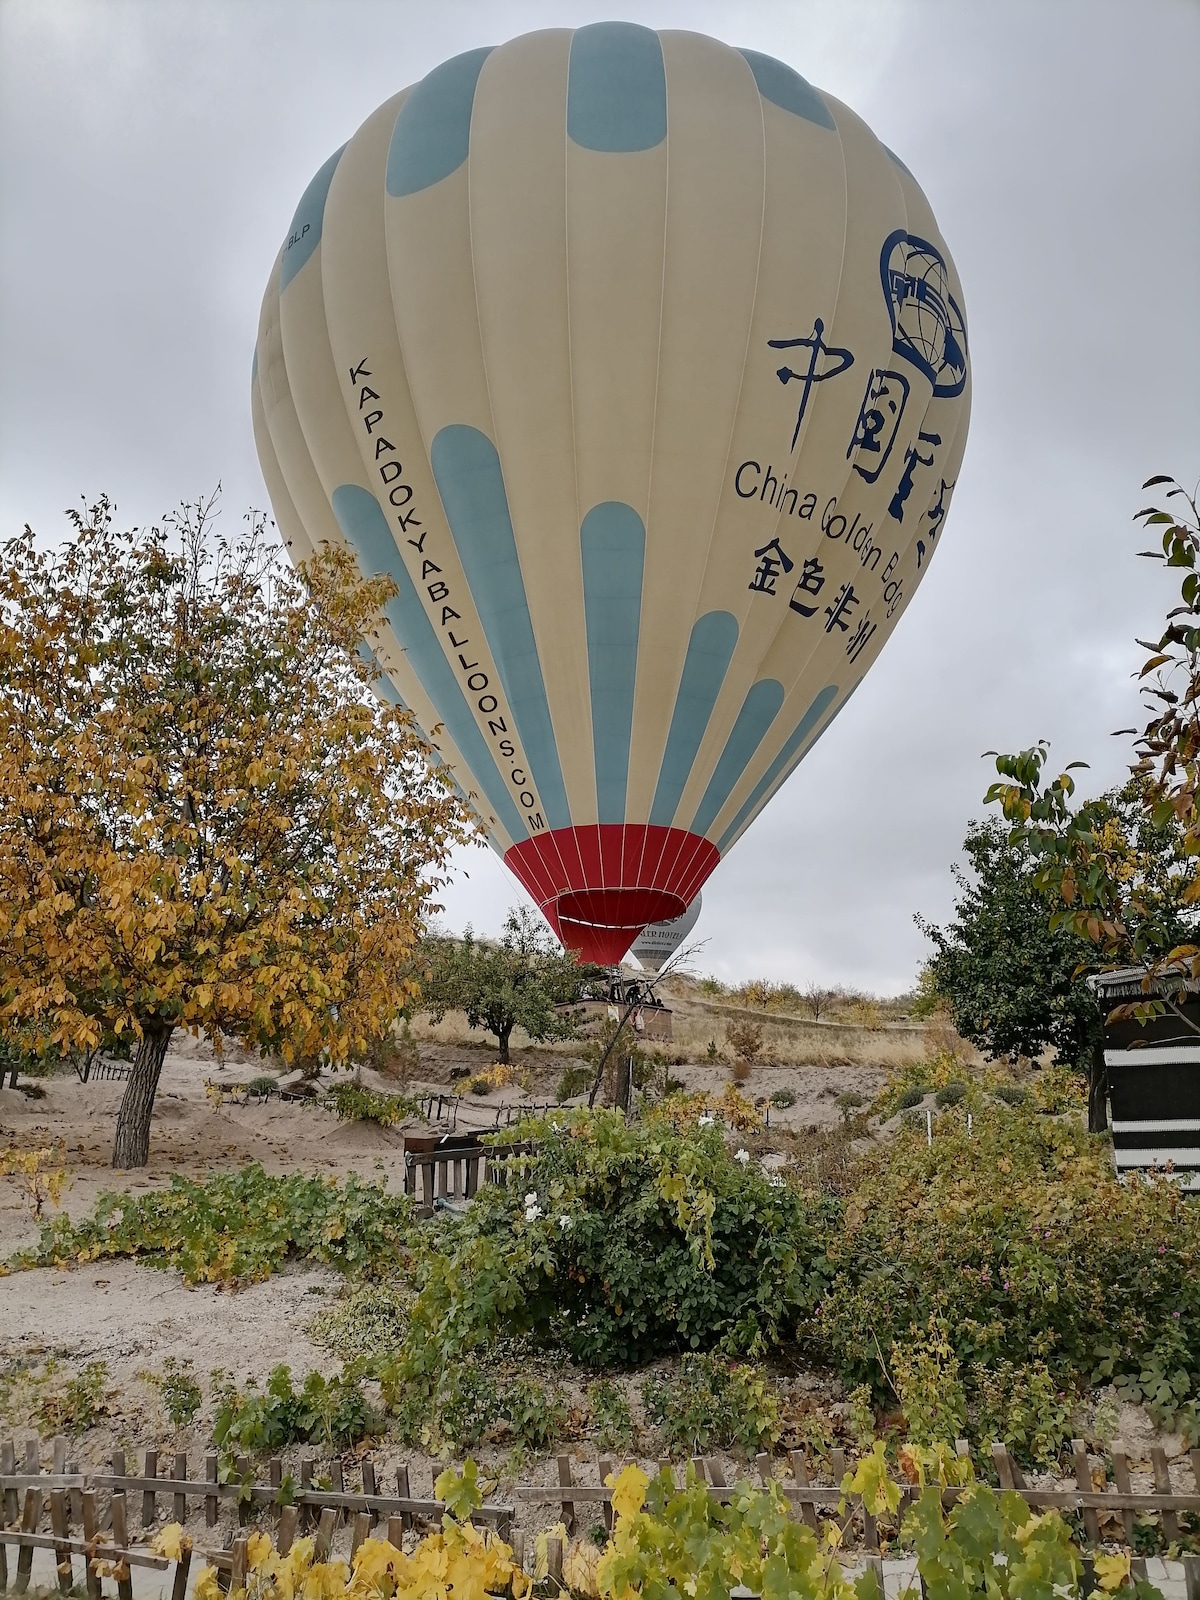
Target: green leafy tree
(517, 980)
(1012, 973)
(1130, 885)
(1011, 983)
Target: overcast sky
(152, 153)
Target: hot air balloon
(658, 941)
(641, 366)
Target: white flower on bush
(706, 1121)
(564, 1222)
(774, 1180)
(532, 1210)
(743, 1156)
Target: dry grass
(793, 1043)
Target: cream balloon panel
(329, 434)
(387, 502)
(880, 521)
(713, 232)
(675, 404)
(284, 449)
(519, 251)
(804, 441)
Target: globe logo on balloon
(580, 341)
(927, 325)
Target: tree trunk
(502, 1035)
(131, 1146)
(1097, 1091)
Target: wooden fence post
(90, 1531)
(149, 1499)
(211, 1473)
(1083, 1484)
(568, 1506)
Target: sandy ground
(193, 1137)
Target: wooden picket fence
(90, 1514)
(813, 1497)
(100, 1505)
(457, 1172)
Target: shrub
(745, 1039)
(950, 1094)
(480, 1083)
(1013, 1094)
(370, 1322)
(177, 1389)
(243, 1224)
(1024, 1406)
(783, 1098)
(908, 1098)
(262, 1085)
(42, 1173)
(76, 1404)
(536, 1414)
(576, 1078)
(866, 1013)
(329, 1411)
(1018, 1238)
(713, 1403)
(666, 1242)
(612, 1419)
(353, 1103)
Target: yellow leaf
(1112, 1572)
(258, 1548)
(628, 1491)
(541, 1556)
(579, 1568)
(171, 1542)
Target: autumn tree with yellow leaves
(208, 819)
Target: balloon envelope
(640, 365)
(658, 942)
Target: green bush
(263, 1084)
(353, 1103)
(621, 1242)
(236, 1225)
(950, 1094)
(1013, 1094)
(468, 1405)
(783, 1098)
(369, 1323)
(576, 1078)
(177, 1389)
(328, 1411)
(713, 1403)
(536, 1414)
(908, 1098)
(1017, 1238)
(612, 1419)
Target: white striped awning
(1178, 1157)
(1166, 1055)
(1157, 1125)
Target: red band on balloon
(599, 886)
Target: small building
(649, 1021)
(1153, 1073)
